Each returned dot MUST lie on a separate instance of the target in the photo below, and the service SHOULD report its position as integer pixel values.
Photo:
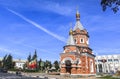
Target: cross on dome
(78, 23)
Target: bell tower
(77, 58)
(80, 34)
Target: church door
(68, 66)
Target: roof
(78, 25)
(70, 40)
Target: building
(77, 57)
(107, 63)
(18, 63)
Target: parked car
(18, 72)
(3, 70)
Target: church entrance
(68, 66)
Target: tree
(40, 62)
(9, 62)
(48, 64)
(113, 4)
(29, 58)
(32, 63)
(35, 55)
(56, 64)
(0, 63)
(4, 61)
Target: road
(14, 76)
(37, 76)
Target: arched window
(75, 40)
(81, 40)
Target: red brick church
(77, 57)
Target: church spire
(78, 23)
(77, 16)
(70, 39)
(71, 31)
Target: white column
(113, 63)
(97, 63)
(97, 67)
(119, 62)
(102, 67)
(107, 65)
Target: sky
(43, 25)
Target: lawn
(108, 77)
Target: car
(18, 73)
(3, 70)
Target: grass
(108, 77)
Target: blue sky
(26, 25)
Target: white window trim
(88, 41)
(82, 39)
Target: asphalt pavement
(14, 76)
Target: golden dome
(70, 32)
(77, 15)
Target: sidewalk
(43, 75)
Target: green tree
(29, 58)
(48, 64)
(113, 4)
(35, 55)
(0, 63)
(40, 61)
(4, 61)
(42, 65)
(56, 64)
(9, 62)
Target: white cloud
(38, 26)
(102, 23)
(10, 51)
(107, 51)
(37, 5)
(58, 8)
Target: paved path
(43, 75)
(46, 76)
(14, 76)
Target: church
(77, 57)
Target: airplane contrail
(38, 26)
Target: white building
(19, 64)
(107, 63)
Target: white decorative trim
(87, 42)
(89, 55)
(83, 41)
(91, 66)
(67, 58)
